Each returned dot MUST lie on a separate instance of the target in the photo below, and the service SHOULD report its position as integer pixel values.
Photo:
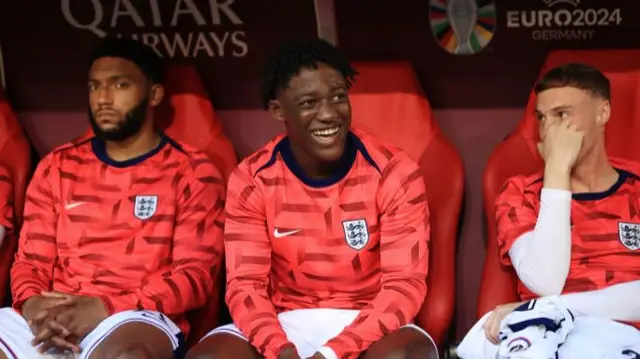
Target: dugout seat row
(387, 102)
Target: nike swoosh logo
(278, 234)
(73, 205)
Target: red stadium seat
(189, 117)
(186, 115)
(517, 154)
(388, 103)
(15, 154)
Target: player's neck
(312, 168)
(594, 173)
(317, 170)
(324, 170)
(135, 146)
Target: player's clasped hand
(71, 318)
(82, 314)
(561, 143)
(40, 313)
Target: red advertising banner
(468, 53)
(482, 53)
(46, 43)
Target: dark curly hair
(135, 51)
(292, 56)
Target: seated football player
(122, 231)
(574, 229)
(327, 229)
(6, 204)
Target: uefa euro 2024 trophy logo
(463, 27)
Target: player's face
(119, 98)
(317, 113)
(586, 112)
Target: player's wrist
(557, 175)
(100, 306)
(559, 165)
(30, 306)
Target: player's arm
(538, 245)
(32, 270)
(196, 253)
(248, 255)
(404, 239)
(617, 302)
(6, 203)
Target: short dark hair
(135, 51)
(293, 56)
(578, 75)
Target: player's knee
(132, 351)
(419, 352)
(223, 346)
(422, 348)
(134, 340)
(200, 352)
(199, 355)
(414, 349)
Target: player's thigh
(134, 340)
(134, 334)
(223, 346)
(408, 342)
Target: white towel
(475, 344)
(535, 330)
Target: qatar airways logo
(218, 29)
(564, 20)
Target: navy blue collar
(100, 149)
(594, 196)
(352, 147)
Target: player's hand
(48, 333)
(492, 325)
(37, 304)
(561, 144)
(289, 353)
(317, 356)
(40, 313)
(82, 314)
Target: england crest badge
(356, 233)
(629, 235)
(145, 206)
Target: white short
(310, 329)
(16, 336)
